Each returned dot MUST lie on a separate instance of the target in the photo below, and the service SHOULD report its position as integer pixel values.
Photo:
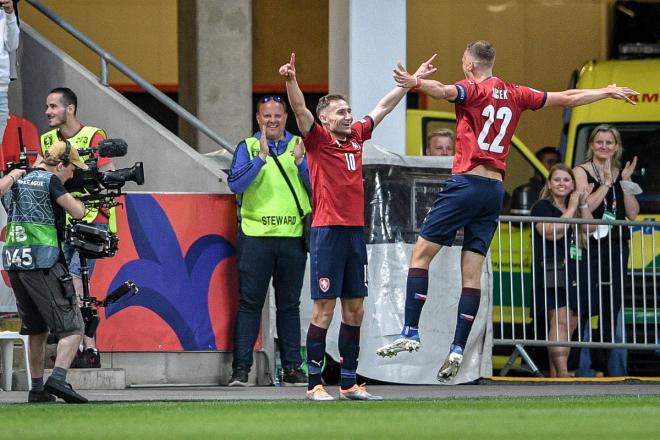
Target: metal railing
(107, 58)
(602, 296)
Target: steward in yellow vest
(82, 139)
(270, 244)
(267, 207)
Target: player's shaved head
(483, 52)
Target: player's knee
(353, 315)
(423, 253)
(323, 313)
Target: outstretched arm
(575, 97)
(416, 81)
(304, 117)
(393, 97)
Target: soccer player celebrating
(338, 253)
(487, 112)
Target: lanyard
(612, 188)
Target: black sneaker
(42, 396)
(239, 377)
(64, 391)
(294, 377)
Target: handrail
(107, 57)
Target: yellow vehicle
(639, 126)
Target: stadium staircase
(171, 165)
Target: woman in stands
(556, 250)
(612, 198)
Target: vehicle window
(643, 141)
(519, 171)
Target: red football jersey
(335, 172)
(486, 117)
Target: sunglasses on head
(275, 98)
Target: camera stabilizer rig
(91, 242)
(100, 189)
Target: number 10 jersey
(335, 172)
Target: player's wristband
(418, 84)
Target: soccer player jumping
(487, 112)
(338, 253)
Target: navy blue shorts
(470, 202)
(338, 262)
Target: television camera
(94, 182)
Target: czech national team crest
(324, 284)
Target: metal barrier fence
(604, 271)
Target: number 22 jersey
(487, 114)
(335, 172)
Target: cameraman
(32, 256)
(61, 109)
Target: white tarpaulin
(383, 319)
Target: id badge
(609, 215)
(603, 230)
(575, 252)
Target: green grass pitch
(562, 418)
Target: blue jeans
(259, 259)
(617, 363)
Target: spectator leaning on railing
(612, 198)
(553, 267)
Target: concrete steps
(126, 370)
(80, 379)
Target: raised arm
(387, 104)
(304, 117)
(575, 97)
(394, 96)
(416, 81)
